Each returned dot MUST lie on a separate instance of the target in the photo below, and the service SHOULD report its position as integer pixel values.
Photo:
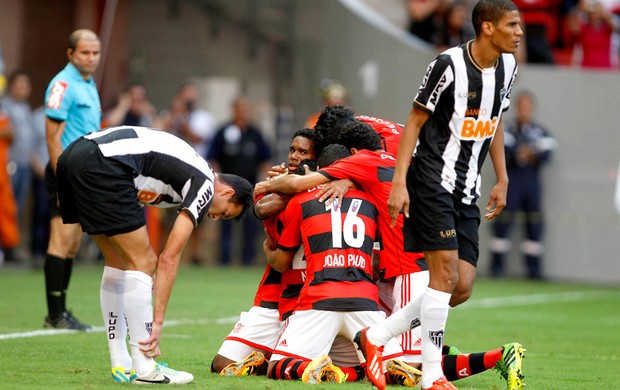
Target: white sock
(139, 313)
(113, 311)
(434, 315)
(396, 324)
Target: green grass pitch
(571, 331)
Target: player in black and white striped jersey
(104, 179)
(456, 117)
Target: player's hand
(397, 201)
(260, 188)
(150, 347)
(334, 190)
(276, 171)
(497, 198)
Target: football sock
(461, 366)
(434, 312)
(113, 311)
(66, 277)
(137, 300)
(354, 374)
(399, 322)
(288, 368)
(54, 271)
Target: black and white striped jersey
(465, 103)
(167, 171)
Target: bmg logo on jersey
(478, 129)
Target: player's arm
(270, 205)
(167, 268)
(279, 259)
(497, 197)
(399, 198)
(289, 184)
(53, 135)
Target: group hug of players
(326, 221)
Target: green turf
(570, 331)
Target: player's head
(84, 51)
(232, 197)
(330, 123)
(301, 148)
(359, 136)
(332, 153)
(498, 20)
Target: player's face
(223, 208)
(301, 149)
(507, 32)
(86, 56)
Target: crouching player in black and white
(104, 180)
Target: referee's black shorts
(438, 221)
(96, 191)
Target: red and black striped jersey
(389, 132)
(337, 241)
(373, 171)
(268, 292)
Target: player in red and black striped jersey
(339, 294)
(333, 120)
(258, 329)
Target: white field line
(485, 303)
(97, 329)
(536, 299)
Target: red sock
(288, 368)
(461, 366)
(354, 373)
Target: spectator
(592, 27)
(424, 18)
(9, 232)
(187, 121)
(18, 109)
(540, 18)
(240, 148)
(528, 147)
(456, 26)
(132, 108)
(333, 93)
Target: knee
(459, 296)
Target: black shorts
(438, 221)
(97, 192)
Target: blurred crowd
(557, 32)
(236, 146)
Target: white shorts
(407, 288)
(257, 330)
(386, 302)
(309, 334)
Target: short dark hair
(490, 11)
(243, 191)
(332, 153)
(360, 135)
(306, 133)
(330, 123)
